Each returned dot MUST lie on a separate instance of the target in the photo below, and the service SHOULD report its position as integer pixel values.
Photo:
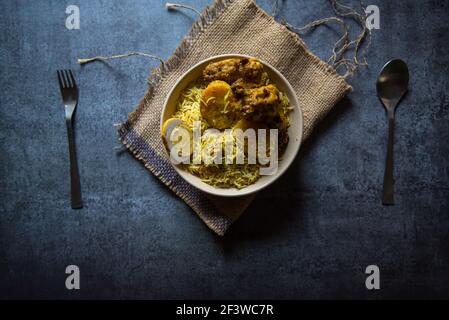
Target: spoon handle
(388, 188)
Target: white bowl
(294, 131)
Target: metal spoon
(392, 85)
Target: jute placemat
(228, 26)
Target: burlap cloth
(228, 26)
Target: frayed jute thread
(276, 8)
(360, 18)
(343, 45)
(118, 56)
(174, 6)
(169, 6)
(344, 39)
(121, 148)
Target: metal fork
(69, 92)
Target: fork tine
(72, 78)
(64, 81)
(66, 77)
(60, 80)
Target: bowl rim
(244, 191)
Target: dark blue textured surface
(311, 235)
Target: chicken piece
(239, 87)
(251, 70)
(229, 70)
(265, 95)
(225, 70)
(260, 104)
(218, 106)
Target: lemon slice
(170, 126)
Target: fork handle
(388, 187)
(77, 202)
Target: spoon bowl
(392, 83)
